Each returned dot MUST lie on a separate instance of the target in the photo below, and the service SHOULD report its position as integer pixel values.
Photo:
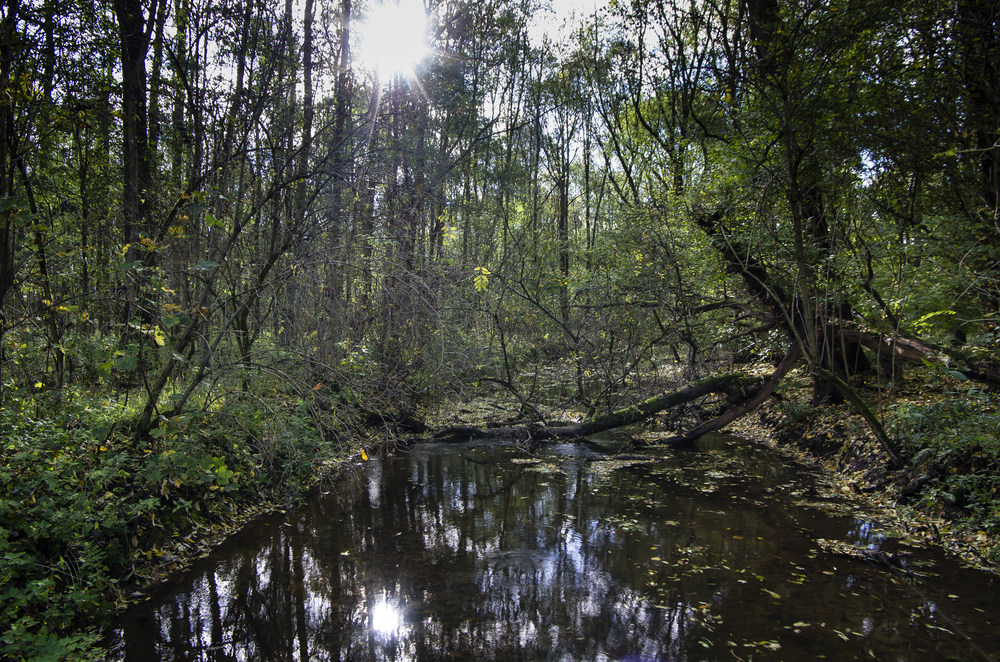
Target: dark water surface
(452, 552)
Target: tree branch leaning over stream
(743, 408)
(740, 389)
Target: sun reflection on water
(386, 619)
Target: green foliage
(83, 507)
(798, 412)
(481, 281)
(64, 524)
(954, 448)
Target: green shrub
(83, 506)
(954, 450)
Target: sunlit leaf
(482, 279)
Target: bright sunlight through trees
(394, 38)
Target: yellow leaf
(39, 385)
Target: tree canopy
(193, 192)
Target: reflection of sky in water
(865, 534)
(445, 555)
(375, 481)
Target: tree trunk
(7, 157)
(737, 386)
(136, 207)
(137, 193)
(979, 38)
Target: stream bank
(925, 502)
(91, 519)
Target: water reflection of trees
(462, 556)
(487, 559)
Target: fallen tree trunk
(738, 387)
(744, 408)
(899, 347)
(918, 352)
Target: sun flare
(386, 619)
(394, 38)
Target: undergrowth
(86, 512)
(953, 448)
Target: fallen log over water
(742, 409)
(739, 389)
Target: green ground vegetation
(89, 515)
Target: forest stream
(458, 551)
